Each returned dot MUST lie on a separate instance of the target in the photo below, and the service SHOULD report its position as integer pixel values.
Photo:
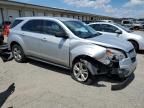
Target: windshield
(81, 30)
(124, 28)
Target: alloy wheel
(17, 53)
(80, 71)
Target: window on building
(78, 17)
(91, 18)
(82, 18)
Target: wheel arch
(13, 43)
(82, 57)
(18, 43)
(132, 40)
(89, 59)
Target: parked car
(117, 30)
(127, 23)
(71, 44)
(140, 21)
(132, 24)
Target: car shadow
(5, 94)
(117, 83)
(49, 67)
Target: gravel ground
(39, 85)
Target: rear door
(31, 35)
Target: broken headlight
(114, 54)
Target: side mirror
(61, 34)
(118, 32)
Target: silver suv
(71, 44)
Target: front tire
(81, 73)
(18, 53)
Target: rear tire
(18, 53)
(81, 73)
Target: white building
(9, 10)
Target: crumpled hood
(113, 42)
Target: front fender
(93, 51)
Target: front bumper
(126, 67)
(123, 68)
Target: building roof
(46, 17)
(15, 3)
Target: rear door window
(33, 26)
(15, 23)
(97, 27)
(108, 28)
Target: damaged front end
(115, 62)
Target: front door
(54, 49)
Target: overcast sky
(115, 8)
